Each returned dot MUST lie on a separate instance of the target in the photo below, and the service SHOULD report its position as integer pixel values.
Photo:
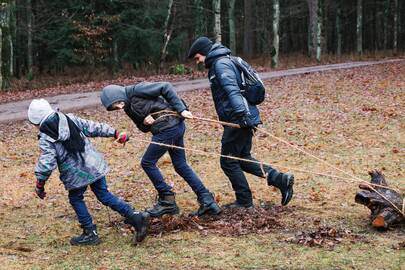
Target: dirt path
(16, 111)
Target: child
(151, 107)
(63, 140)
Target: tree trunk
(314, 28)
(1, 59)
(386, 10)
(359, 27)
(169, 23)
(319, 31)
(231, 22)
(276, 23)
(247, 29)
(395, 42)
(29, 40)
(11, 36)
(339, 28)
(383, 213)
(217, 20)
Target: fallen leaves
(323, 236)
(232, 222)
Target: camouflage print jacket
(78, 171)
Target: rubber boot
(166, 205)
(140, 221)
(284, 182)
(88, 237)
(208, 205)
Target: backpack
(252, 86)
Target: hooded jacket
(75, 171)
(226, 81)
(144, 99)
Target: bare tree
(29, 39)
(231, 22)
(276, 40)
(386, 14)
(315, 28)
(339, 27)
(217, 20)
(395, 42)
(248, 28)
(169, 23)
(359, 27)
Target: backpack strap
(236, 63)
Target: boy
(63, 140)
(151, 107)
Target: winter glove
(40, 189)
(246, 122)
(121, 137)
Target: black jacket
(151, 98)
(225, 80)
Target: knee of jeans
(180, 167)
(75, 199)
(147, 164)
(104, 198)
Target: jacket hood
(39, 110)
(217, 50)
(112, 94)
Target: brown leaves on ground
(323, 236)
(399, 246)
(231, 222)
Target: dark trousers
(172, 136)
(99, 189)
(238, 143)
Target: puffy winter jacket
(225, 80)
(144, 99)
(75, 171)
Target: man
(231, 106)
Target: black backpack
(252, 86)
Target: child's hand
(148, 120)
(122, 137)
(187, 114)
(40, 190)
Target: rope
(315, 157)
(352, 177)
(239, 159)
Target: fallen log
(383, 213)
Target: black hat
(201, 45)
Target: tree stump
(383, 213)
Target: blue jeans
(99, 188)
(172, 136)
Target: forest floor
(354, 119)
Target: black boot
(140, 221)
(166, 205)
(88, 237)
(208, 205)
(284, 182)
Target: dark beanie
(201, 45)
